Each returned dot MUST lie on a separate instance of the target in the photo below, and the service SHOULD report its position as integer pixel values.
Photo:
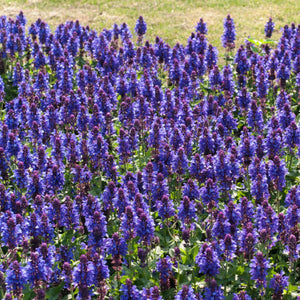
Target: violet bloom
(164, 267)
(21, 176)
(241, 296)
(233, 215)
(269, 27)
(101, 269)
(206, 145)
(121, 201)
(228, 121)
(186, 293)
(108, 196)
(255, 116)
(13, 145)
(159, 189)
(293, 197)
(210, 192)
(211, 57)
(165, 208)
(221, 226)
(215, 78)
(292, 216)
(248, 240)
(145, 227)
(228, 37)
(129, 291)
(36, 270)
(180, 162)
(208, 261)
(96, 225)
(244, 99)
(140, 28)
(117, 247)
(191, 190)
(201, 27)
(12, 233)
(259, 270)
(278, 284)
(266, 218)
(151, 294)
(213, 291)
(84, 277)
(55, 179)
(292, 248)
(128, 223)
(246, 210)
(15, 278)
(286, 116)
(228, 247)
(196, 168)
(186, 211)
(292, 136)
(277, 172)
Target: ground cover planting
(131, 169)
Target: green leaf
(67, 237)
(28, 293)
(54, 293)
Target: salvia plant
(139, 170)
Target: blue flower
(36, 269)
(278, 284)
(140, 28)
(186, 293)
(84, 277)
(277, 172)
(259, 269)
(164, 267)
(201, 27)
(241, 296)
(15, 278)
(228, 37)
(186, 211)
(208, 261)
(129, 291)
(145, 227)
(269, 27)
(213, 291)
(116, 245)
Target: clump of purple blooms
(143, 170)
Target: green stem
(130, 253)
(1, 110)
(100, 181)
(226, 271)
(290, 162)
(178, 278)
(278, 202)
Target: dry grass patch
(171, 20)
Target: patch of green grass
(171, 20)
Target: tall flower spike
(269, 27)
(228, 37)
(140, 29)
(278, 284)
(259, 270)
(15, 278)
(84, 277)
(208, 261)
(186, 293)
(201, 27)
(164, 267)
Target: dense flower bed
(132, 170)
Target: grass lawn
(171, 20)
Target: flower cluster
(138, 170)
